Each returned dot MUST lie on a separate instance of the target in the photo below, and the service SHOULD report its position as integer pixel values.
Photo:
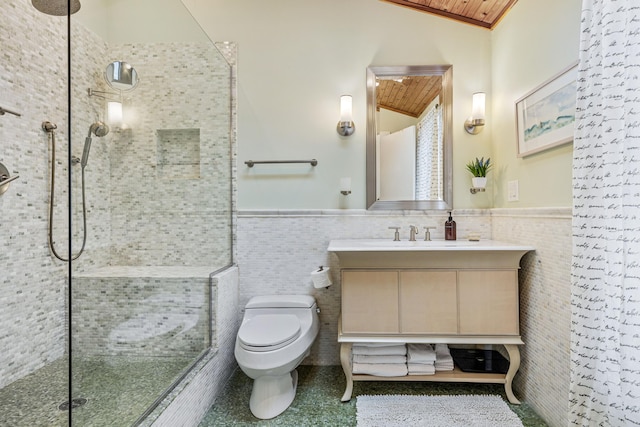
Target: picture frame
(545, 116)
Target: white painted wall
(119, 21)
(398, 165)
(296, 58)
(536, 40)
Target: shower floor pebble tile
(317, 401)
(118, 391)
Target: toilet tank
(281, 301)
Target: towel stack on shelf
(444, 361)
(421, 359)
(380, 359)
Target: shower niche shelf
(178, 153)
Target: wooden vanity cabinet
(430, 301)
(488, 302)
(371, 298)
(455, 293)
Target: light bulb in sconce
(475, 123)
(345, 186)
(114, 114)
(346, 126)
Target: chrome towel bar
(250, 163)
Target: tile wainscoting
(277, 250)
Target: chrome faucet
(413, 230)
(427, 234)
(396, 236)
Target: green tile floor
(317, 401)
(118, 391)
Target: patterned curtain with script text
(605, 282)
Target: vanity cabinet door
(370, 302)
(488, 302)
(428, 302)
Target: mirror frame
(446, 71)
(119, 86)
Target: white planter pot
(479, 182)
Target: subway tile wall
(33, 82)
(545, 312)
(277, 250)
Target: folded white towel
(377, 344)
(368, 358)
(420, 353)
(380, 369)
(442, 349)
(448, 367)
(421, 369)
(444, 361)
(394, 350)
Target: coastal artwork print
(546, 115)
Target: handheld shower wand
(99, 129)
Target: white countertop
(384, 245)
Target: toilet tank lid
(276, 301)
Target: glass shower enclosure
(136, 169)
(160, 209)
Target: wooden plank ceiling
(483, 13)
(408, 95)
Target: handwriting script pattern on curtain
(605, 288)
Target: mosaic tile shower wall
(170, 167)
(157, 312)
(188, 403)
(33, 82)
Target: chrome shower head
(56, 7)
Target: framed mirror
(409, 137)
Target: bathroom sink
(373, 245)
(385, 253)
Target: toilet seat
(268, 332)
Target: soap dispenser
(450, 229)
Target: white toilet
(275, 336)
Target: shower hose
(50, 129)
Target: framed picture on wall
(545, 116)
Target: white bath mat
(435, 411)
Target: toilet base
(271, 395)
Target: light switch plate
(513, 194)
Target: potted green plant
(479, 169)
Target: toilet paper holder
(321, 278)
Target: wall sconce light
(346, 126)
(114, 114)
(114, 106)
(345, 186)
(475, 123)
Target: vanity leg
(345, 360)
(514, 365)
